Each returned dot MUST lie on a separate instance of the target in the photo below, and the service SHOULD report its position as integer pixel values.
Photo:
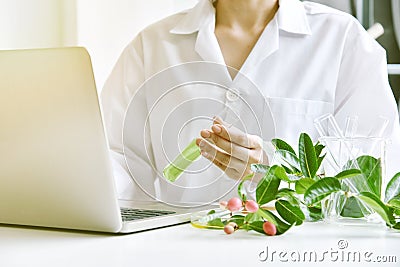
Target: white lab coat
(310, 60)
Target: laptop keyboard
(138, 214)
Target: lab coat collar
(195, 18)
(291, 18)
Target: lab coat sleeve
(363, 90)
(125, 78)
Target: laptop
(55, 169)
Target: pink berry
(269, 228)
(229, 229)
(251, 206)
(223, 204)
(234, 204)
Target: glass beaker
(366, 154)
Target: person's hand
(230, 149)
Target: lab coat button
(232, 95)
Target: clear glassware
(363, 153)
(188, 155)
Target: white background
(104, 27)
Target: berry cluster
(250, 206)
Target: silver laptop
(55, 169)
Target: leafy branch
(311, 189)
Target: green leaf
(318, 150)
(211, 212)
(241, 191)
(319, 161)
(287, 194)
(293, 178)
(348, 174)
(372, 170)
(288, 170)
(216, 222)
(259, 168)
(307, 156)
(288, 158)
(238, 219)
(290, 213)
(393, 188)
(268, 186)
(396, 212)
(252, 217)
(377, 205)
(279, 171)
(286, 190)
(397, 226)
(282, 145)
(314, 214)
(321, 189)
(257, 226)
(395, 202)
(352, 208)
(303, 184)
(281, 227)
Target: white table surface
(184, 245)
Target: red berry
(229, 229)
(234, 204)
(269, 228)
(251, 206)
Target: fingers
(228, 132)
(237, 151)
(230, 149)
(227, 159)
(233, 167)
